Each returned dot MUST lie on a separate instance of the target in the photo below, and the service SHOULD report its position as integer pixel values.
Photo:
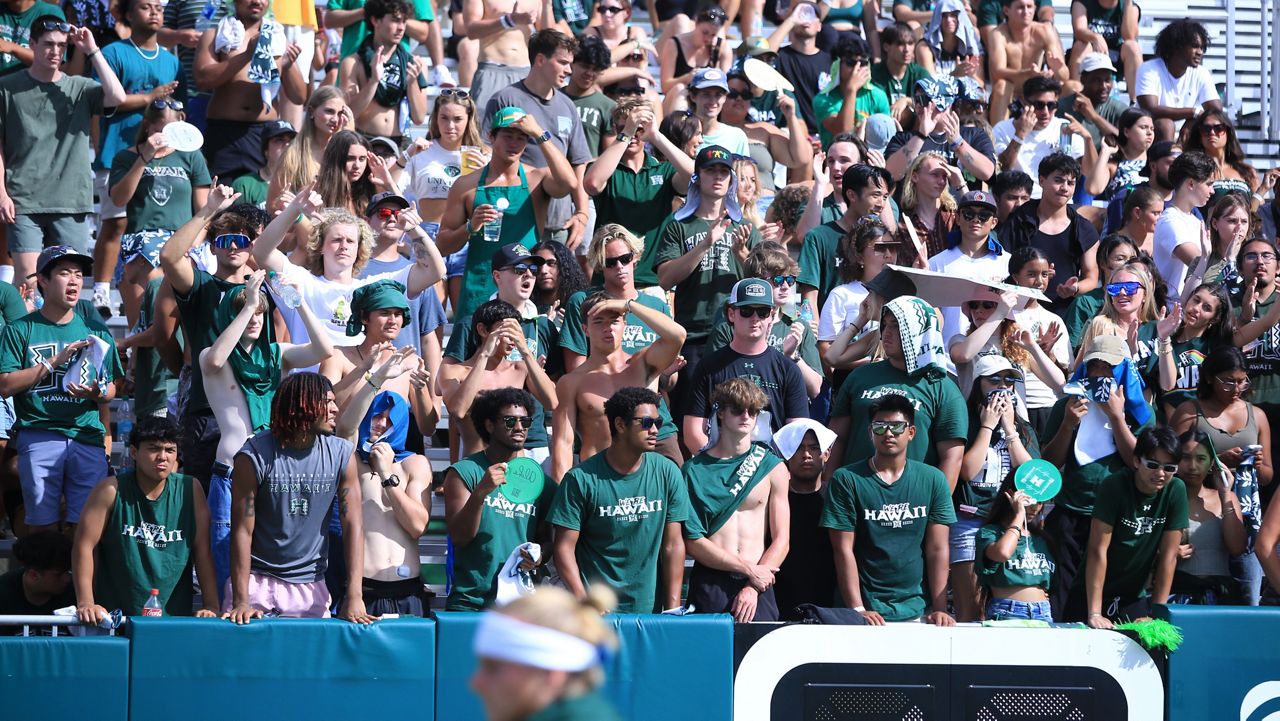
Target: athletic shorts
(405, 597)
(53, 468)
(233, 148)
(107, 210)
(492, 77)
(964, 534)
(668, 9)
(200, 436)
(33, 232)
(7, 417)
(145, 244)
(292, 600)
(713, 591)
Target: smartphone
(1016, 108)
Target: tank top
(683, 66)
(146, 544)
(1211, 557)
(1246, 477)
(519, 225)
(764, 166)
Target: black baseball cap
(388, 197)
(54, 253)
(510, 254)
(276, 128)
(713, 155)
(890, 284)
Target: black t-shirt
(808, 575)
(976, 137)
(809, 73)
(1062, 256)
(14, 602)
(776, 374)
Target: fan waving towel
(263, 70)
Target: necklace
(154, 54)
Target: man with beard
(808, 575)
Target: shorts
(219, 488)
(492, 77)
(145, 244)
(233, 147)
(304, 37)
(405, 597)
(7, 417)
(668, 9)
(292, 600)
(964, 533)
(200, 436)
(455, 264)
(1006, 609)
(713, 591)
(51, 468)
(33, 232)
(107, 210)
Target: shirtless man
(395, 485)
(1019, 49)
(607, 369)
(244, 81)
(502, 361)
(502, 28)
(381, 73)
(737, 501)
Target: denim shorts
(1007, 609)
(964, 532)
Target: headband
(507, 639)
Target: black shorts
(668, 9)
(712, 591)
(406, 597)
(200, 436)
(233, 148)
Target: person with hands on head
(47, 367)
(1014, 559)
(381, 74)
(45, 118)
(286, 478)
(145, 528)
(888, 517)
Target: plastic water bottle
(1064, 141)
(124, 429)
(493, 229)
(152, 606)
(286, 293)
(205, 21)
(806, 312)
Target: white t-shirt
(433, 172)
(729, 138)
(1040, 144)
(956, 263)
(840, 310)
(1193, 89)
(330, 302)
(1175, 228)
(1038, 393)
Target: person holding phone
(1215, 528)
(1013, 558)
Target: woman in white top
(1030, 268)
(864, 252)
(993, 331)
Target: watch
(391, 481)
(546, 135)
(622, 137)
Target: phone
(1016, 108)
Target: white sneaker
(102, 301)
(441, 77)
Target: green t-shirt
(722, 333)
(163, 200)
(635, 337)
(1262, 358)
(46, 406)
(44, 130)
(153, 384)
(640, 202)
(1031, 565)
(354, 34)
(888, 521)
(622, 520)
(12, 306)
(820, 259)
(574, 13)
(503, 526)
(596, 111)
(16, 28)
(941, 414)
(252, 189)
(708, 286)
(1137, 524)
(1080, 483)
(1081, 313)
(718, 486)
(148, 544)
(869, 101)
(894, 88)
(195, 309)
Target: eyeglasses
(521, 268)
(738, 95)
(1158, 466)
(228, 240)
(753, 412)
(1044, 105)
(162, 103)
(983, 304)
(609, 9)
(458, 93)
(1003, 380)
(1215, 129)
(897, 428)
(755, 311)
(387, 213)
(55, 25)
(647, 423)
(1129, 287)
(784, 279)
(853, 60)
(624, 259)
(981, 216)
(525, 422)
(1255, 257)
(1231, 384)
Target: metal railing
(1271, 60)
(110, 624)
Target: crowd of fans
(692, 314)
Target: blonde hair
(750, 209)
(298, 166)
(605, 235)
(909, 198)
(739, 393)
(554, 608)
(1148, 309)
(470, 134)
(328, 218)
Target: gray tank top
(1224, 441)
(296, 489)
(764, 166)
(1210, 558)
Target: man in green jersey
(618, 515)
(881, 513)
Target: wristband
(47, 365)
(1019, 141)
(992, 428)
(368, 378)
(1258, 197)
(920, 135)
(860, 609)
(506, 21)
(89, 55)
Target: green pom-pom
(1155, 633)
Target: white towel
(513, 582)
(87, 366)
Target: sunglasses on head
(981, 216)
(525, 421)
(647, 423)
(897, 428)
(162, 103)
(983, 304)
(624, 259)
(1158, 466)
(530, 267)
(228, 240)
(1129, 287)
(455, 93)
(784, 279)
(755, 311)
(55, 25)
(387, 213)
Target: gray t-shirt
(296, 489)
(558, 115)
(44, 130)
(425, 312)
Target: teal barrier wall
(1228, 666)
(64, 678)
(197, 669)
(668, 668)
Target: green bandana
(378, 295)
(257, 369)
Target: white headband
(507, 639)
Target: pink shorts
(292, 600)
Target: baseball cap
(1160, 150)
(510, 254)
(879, 130)
(385, 142)
(1108, 348)
(57, 252)
(506, 117)
(709, 78)
(751, 291)
(977, 197)
(386, 196)
(754, 47)
(890, 284)
(713, 155)
(1096, 61)
(991, 364)
(276, 128)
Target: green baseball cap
(507, 117)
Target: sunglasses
(229, 240)
(647, 423)
(609, 10)
(853, 60)
(981, 216)
(387, 213)
(1230, 384)
(55, 25)
(1157, 466)
(1215, 129)
(162, 103)
(521, 268)
(1043, 105)
(738, 95)
(455, 93)
(628, 91)
(885, 248)
(784, 279)
(983, 304)
(1129, 287)
(1255, 257)
(624, 259)
(753, 412)
(755, 311)
(525, 422)
(897, 428)
(1003, 380)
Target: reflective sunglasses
(1003, 380)
(1129, 287)
(983, 304)
(1157, 466)
(162, 103)
(897, 428)
(1231, 384)
(781, 279)
(525, 422)
(55, 25)
(521, 268)
(228, 240)
(455, 93)
(624, 259)
(1215, 129)
(981, 216)
(755, 311)
(647, 423)
(387, 213)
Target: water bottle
(152, 606)
(206, 15)
(287, 294)
(806, 312)
(124, 428)
(493, 229)
(1064, 140)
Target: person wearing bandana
(385, 85)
